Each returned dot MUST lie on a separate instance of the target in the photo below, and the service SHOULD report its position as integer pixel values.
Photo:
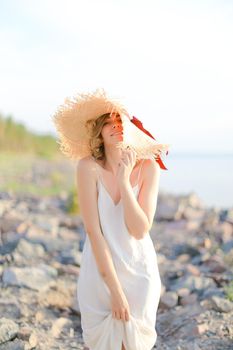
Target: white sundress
(136, 266)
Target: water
(209, 176)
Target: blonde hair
(96, 142)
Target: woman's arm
(139, 214)
(87, 198)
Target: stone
(168, 208)
(183, 292)
(24, 333)
(15, 344)
(193, 283)
(8, 329)
(229, 216)
(197, 329)
(36, 278)
(61, 325)
(27, 251)
(191, 213)
(221, 305)
(189, 299)
(33, 340)
(10, 310)
(168, 300)
(185, 249)
(193, 270)
(70, 256)
(60, 299)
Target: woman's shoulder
(150, 165)
(86, 164)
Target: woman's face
(112, 131)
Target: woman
(119, 284)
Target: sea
(210, 176)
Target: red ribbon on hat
(139, 125)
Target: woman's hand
(126, 165)
(120, 307)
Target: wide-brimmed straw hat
(70, 120)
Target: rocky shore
(40, 256)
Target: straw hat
(70, 119)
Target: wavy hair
(96, 142)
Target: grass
(27, 173)
(229, 291)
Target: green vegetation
(36, 175)
(32, 163)
(72, 202)
(15, 137)
(229, 291)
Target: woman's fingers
(123, 315)
(129, 154)
(126, 316)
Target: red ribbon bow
(139, 125)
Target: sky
(170, 63)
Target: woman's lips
(117, 133)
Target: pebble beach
(40, 257)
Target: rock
(214, 264)
(10, 221)
(194, 251)
(27, 251)
(225, 231)
(8, 247)
(65, 269)
(172, 323)
(168, 208)
(10, 310)
(47, 223)
(183, 258)
(23, 227)
(75, 306)
(207, 243)
(168, 300)
(61, 325)
(15, 344)
(24, 333)
(221, 305)
(68, 234)
(8, 329)
(60, 298)
(183, 292)
(5, 205)
(49, 243)
(228, 259)
(195, 330)
(193, 270)
(36, 278)
(185, 249)
(193, 283)
(189, 299)
(229, 216)
(194, 201)
(193, 224)
(33, 341)
(191, 213)
(72, 223)
(226, 247)
(10, 236)
(199, 259)
(207, 293)
(70, 256)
